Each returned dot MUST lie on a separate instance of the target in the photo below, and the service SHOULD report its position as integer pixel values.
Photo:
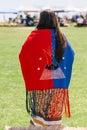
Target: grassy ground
(12, 91)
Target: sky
(17, 5)
(20, 4)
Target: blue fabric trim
(65, 64)
(53, 45)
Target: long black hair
(48, 20)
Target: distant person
(21, 19)
(29, 21)
(46, 61)
(85, 21)
(80, 21)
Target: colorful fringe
(49, 104)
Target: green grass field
(12, 90)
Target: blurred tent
(8, 12)
(4, 15)
(28, 10)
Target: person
(46, 60)
(80, 21)
(29, 20)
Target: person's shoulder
(33, 32)
(40, 33)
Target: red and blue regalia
(46, 80)
(38, 63)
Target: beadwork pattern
(50, 104)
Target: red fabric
(33, 60)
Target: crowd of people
(82, 21)
(64, 21)
(27, 20)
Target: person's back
(46, 60)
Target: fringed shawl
(38, 63)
